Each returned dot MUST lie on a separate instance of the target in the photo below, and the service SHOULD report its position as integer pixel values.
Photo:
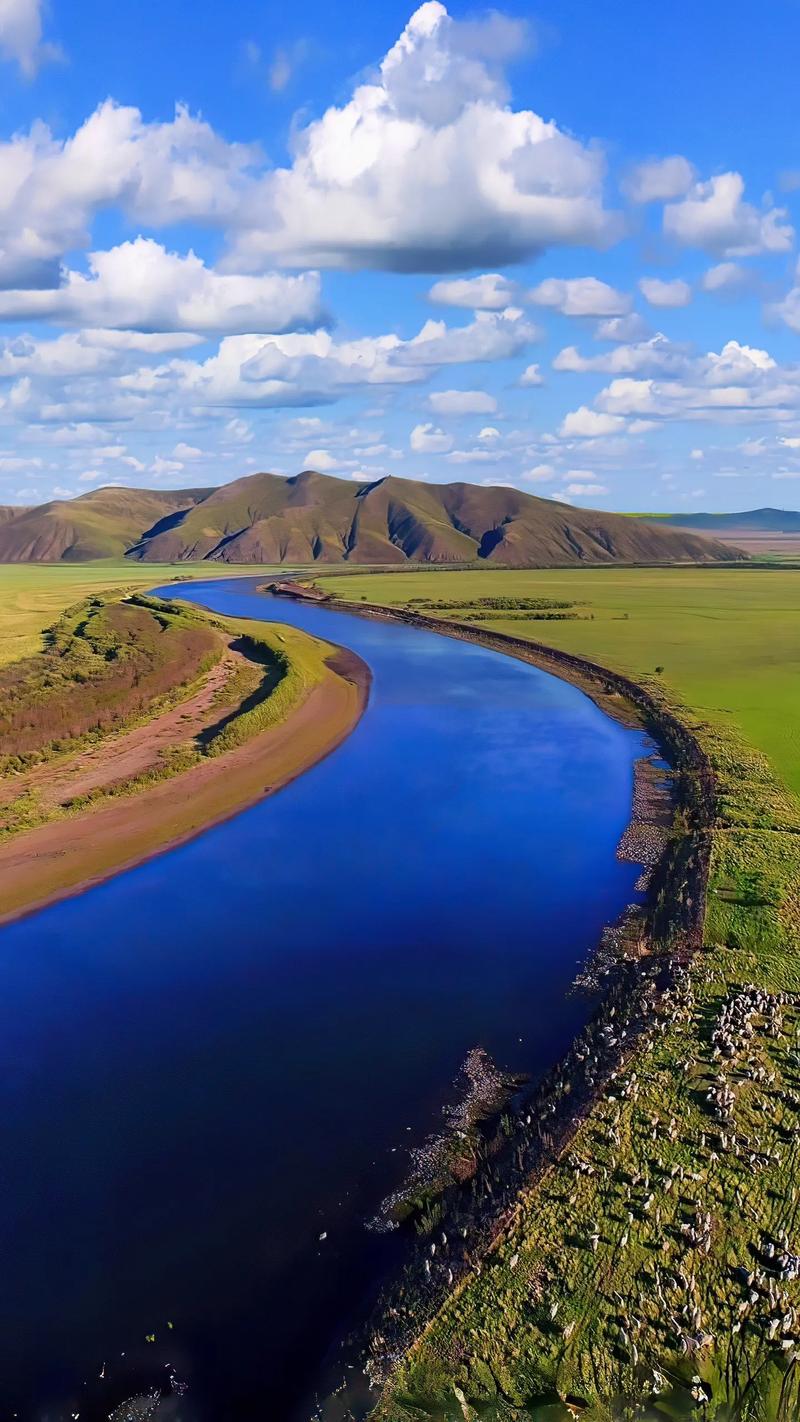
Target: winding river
(216, 1058)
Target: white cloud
(239, 430)
(427, 168)
(581, 296)
(697, 454)
(714, 216)
(21, 35)
(475, 456)
(489, 434)
(738, 383)
(632, 327)
(584, 423)
(462, 402)
(491, 336)
(321, 460)
(481, 293)
(426, 439)
(160, 467)
(659, 180)
(665, 293)
(149, 342)
(582, 491)
(16, 464)
(736, 364)
(531, 376)
(72, 381)
(540, 473)
(186, 451)
(788, 310)
(157, 174)
(140, 284)
(725, 277)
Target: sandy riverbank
(67, 856)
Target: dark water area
(213, 1059)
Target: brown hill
(9, 511)
(267, 518)
(101, 524)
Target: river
(214, 1059)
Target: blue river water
(219, 1056)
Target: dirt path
(119, 757)
(68, 855)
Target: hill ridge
(312, 517)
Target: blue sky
(552, 248)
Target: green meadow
(33, 595)
(728, 639)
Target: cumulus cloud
(665, 293)
(584, 423)
(427, 167)
(141, 285)
(738, 383)
(714, 216)
(583, 491)
(659, 180)
(462, 402)
(21, 35)
(475, 456)
(491, 336)
(632, 327)
(581, 296)
(724, 278)
(539, 474)
(481, 293)
(74, 380)
(788, 310)
(531, 376)
(425, 439)
(157, 174)
(658, 355)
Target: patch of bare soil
(120, 757)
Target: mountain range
(750, 521)
(310, 517)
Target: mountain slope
(267, 518)
(101, 524)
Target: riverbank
(242, 732)
(461, 1211)
(617, 1252)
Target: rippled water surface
(212, 1059)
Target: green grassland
(728, 639)
(33, 595)
(620, 1287)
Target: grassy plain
(728, 639)
(33, 595)
(636, 1276)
